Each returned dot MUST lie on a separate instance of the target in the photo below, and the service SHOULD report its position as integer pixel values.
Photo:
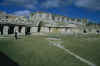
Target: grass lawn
(87, 46)
(35, 51)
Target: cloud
(21, 3)
(48, 3)
(22, 13)
(56, 3)
(91, 4)
(32, 4)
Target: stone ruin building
(45, 22)
(39, 22)
(10, 24)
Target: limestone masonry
(40, 22)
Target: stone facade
(55, 22)
(23, 30)
(10, 24)
(40, 22)
(5, 30)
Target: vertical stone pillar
(5, 30)
(42, 29)
(16, 29)
(23, 30)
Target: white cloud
(23, 3)
(51, 3)
(92, 4)
(22, 13)
(56, 3)
(31, 4)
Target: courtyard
(37, 50)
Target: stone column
(16, 29)
(23, 30)
(42, 29)
(5, 30)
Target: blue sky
(89, 9)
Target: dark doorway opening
(27, 31)
(84, 31)
(11, 29)
(20, 27)
(39, 26)
(1, 28)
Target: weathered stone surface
(5, 30)
(33, 29)
(69, 30)
(50, 29)
(44, 29)
(62, 30)
(47, 20)
(16, 29)
(23, 30)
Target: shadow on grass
(6, 61)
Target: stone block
(23, 31)
(44, 29)
(16, 29)
(5, 30)
(33, 29)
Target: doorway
(11, 29)
(39, 26)
(1, 28)
(27, 31)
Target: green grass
(86, 46)
(34, 51)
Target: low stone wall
(31, 29)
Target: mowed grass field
(35, 51)
(86, 46)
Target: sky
(89, 9)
